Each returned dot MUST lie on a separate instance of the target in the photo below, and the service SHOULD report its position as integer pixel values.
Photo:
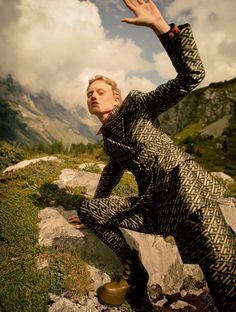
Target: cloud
(213, 24)
(57, 45)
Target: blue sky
(57, 45)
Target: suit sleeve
(185, 58)
(110, 177)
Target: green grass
(24, 287)
(187, 131)
(213, 153)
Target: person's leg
(104, 217)
(205, 238)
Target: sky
(57, 45)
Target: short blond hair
(115, 90)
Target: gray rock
(75, 178)
(228, 209)
(225, 177)
(26, 163)
(161, 259)
(64, 305)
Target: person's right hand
(146, 14)
(76, 222)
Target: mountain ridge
(40, 114)
(28, 118)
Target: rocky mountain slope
(204, 117)
(37, 118)
(204, 106)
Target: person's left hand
(76, 222)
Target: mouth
(94, 104)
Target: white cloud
(213, 23)
(57, 45)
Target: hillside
(204, 124)
(204, 106)
(37, 118)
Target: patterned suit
(176, 196)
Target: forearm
(183, 53)
(160, 26)
(110, 177)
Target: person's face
(100, 99)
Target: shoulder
(133, 101)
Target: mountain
(206, 106)
(37, 118)
(204, 124)
(33, 118)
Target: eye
(101, 92)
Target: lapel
(115, 124)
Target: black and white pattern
(176, 196)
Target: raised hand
(146, 14)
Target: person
(176, 196)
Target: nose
(94, 96)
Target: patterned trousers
(203, 238)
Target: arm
(110, 177)
(182, 51)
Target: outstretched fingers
(131, 4)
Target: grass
(24, 286)
(213, 153)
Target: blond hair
(115, 90)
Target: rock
(87, 165)
(228, 208)
(75, 178)
(54, 230)
(26, 163)
(161, 259)
(182, 306)
(221, 175)
(64, 305)
(42, 262)
(217, 128)
(53, 225)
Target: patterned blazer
(136, 142)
